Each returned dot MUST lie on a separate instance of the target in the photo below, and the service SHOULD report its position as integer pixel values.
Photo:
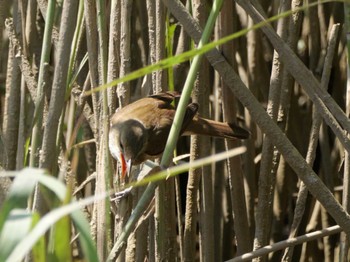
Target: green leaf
(21, 190)
(39, 249)
(15, 229)
(61, 231)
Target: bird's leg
(121, 194)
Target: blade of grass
(186, 56)
(39, 249)
(73, 208)
(73, 56)
(24, 246)
(21, 189)
(62, 250)
(179, 169)
(17, 197)
(19, 221)
(39, 103)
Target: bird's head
(127, 142)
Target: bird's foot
(119, 195)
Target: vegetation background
(285, 80)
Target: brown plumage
(139, 131)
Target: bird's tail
(207, 127)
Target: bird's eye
(121, 145)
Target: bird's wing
(158, 129)
(158, 135)
(191, 111)
(167, 97)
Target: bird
(139, 131)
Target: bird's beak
(126, 166)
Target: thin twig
(325, 104)
(314, 135)
(288, 243)
(270, 156)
